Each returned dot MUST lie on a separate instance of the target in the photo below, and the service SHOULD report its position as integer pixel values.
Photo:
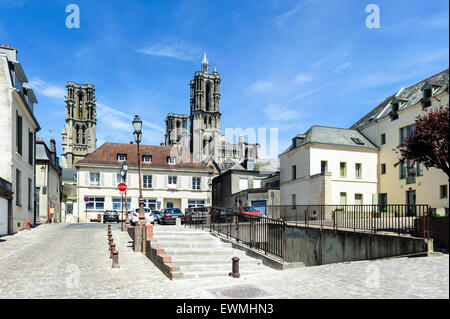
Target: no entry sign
(86, 199)
(122, 187)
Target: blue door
(260, 206)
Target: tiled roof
(332, 136)
(107, 155)
(412, 95)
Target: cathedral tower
(79, 134)
(205, 112)
(176, 130)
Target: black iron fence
(268, 233)
(261, 233)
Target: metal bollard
(115, 259)
(112, 248)
(235, 268)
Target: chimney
(131, 142)
(162, 143)
(52, 145)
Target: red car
(246, 213)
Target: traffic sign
(86, 199)
(272, 194)
(122, 187)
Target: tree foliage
(428, 143)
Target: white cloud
(180, 50)
(115, 126)
(281, 20)
(306, 93)
(302, 78)
(260, 87)
(47, 89)
(278, 112)
(342, 67)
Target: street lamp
(123, 173)
(137, 125)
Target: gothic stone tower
(79, 134)
(205, 133)
(176, 130)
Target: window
(402, 168)
(358, 168)
(405, 131)
(171, 160)
(358, 199)
(117, 206)
(443, 191)
(96, 203)
(150, 203)
(147, 181)
(357, 141)
(19, 133)
(147, 159)
(294, 200)
(343, 198)
(419, 168)
(427, 93)
(119, 179)
(383, 139)
(383, 168)
(30, 148)
(383, 199)
(121, 157)
(18, 189)
(196, 203)
(30, 194)
(95, 179)
(243, 183)
(343, 169)
(44, 190)
(323, 166)
(294, 172)
(256, 183)
(172, 180)
(196, 182)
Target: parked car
(222, 215)
(156, 214)
(110, 216)
(169, 216)
(197, 215)
(247, 213)
(149, 218)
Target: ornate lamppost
(137, 125)
(123, 173)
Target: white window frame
(120, 159)
(196, 183)
(93, 181)
(147, 159)
(171, 160)
(145, 181)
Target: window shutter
(166, 180)
(154, 181)
(190, 183)
(102, 179)
(179, 181)
(202, 183)
(86, 178)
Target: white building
(48, 183)
(328, 165)
(359, 165)
(167, 180)
(17, 148)
(387, 125)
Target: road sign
(272, 194)
(122, 187)
(86, 199)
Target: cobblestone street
(72, 261)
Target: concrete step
(192, 244)
(199, 251)
(212, 260)
(185, 238)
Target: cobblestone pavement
(72, 261)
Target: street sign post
(122, 187)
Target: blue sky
(284, 64)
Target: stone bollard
(112, 248)
(115, 258)
(235, 268)
(111, 242)
(149, 229)
(178, 221)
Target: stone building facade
(79, 135)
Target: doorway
(411, 202)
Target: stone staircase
(198, 254)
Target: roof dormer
(396, 104)
(428, 90)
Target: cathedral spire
(205, 64)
